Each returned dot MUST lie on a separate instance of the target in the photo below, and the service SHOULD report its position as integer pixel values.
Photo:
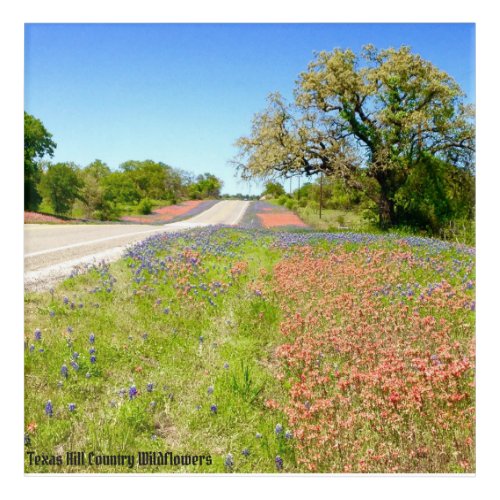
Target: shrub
(145, 206)
(291, 204)
(282, 199)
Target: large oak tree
(369, 119)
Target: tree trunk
(385, 212)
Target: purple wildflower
(92, 338)
(92, 350)
(132, 392)
(229, 462)
(27, 439)
(150, 387)
(245, 452)
(72, 407)
(278, 429)
(226, 366)
(210, 389)
(38, 334)
(279, 462)
(93, 359)
(48, 408)
(288, 435)
(75, 366)
(213, 409)
(64, 371)
(32, 348)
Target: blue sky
(183, 93)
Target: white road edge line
(242, 212)
(84, 243)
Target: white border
(386, 487)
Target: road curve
(52, 251)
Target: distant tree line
(98, 191)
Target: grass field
(267, 351)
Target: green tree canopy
(60, 185)
(374, 115)
(206, 186)
(37, 144)
(273, 189)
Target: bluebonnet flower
(226, 366)
(69, 329)
(210, 389)
(144, 336)
(245, 452)
(228, 462)
(213, 408)
(52, 314)
(75, 366)
(64, 371)
(278, 429)
(93, 359)
(92, 350)
(38, 334)
(65, 300)
(80, 305)
(27, 439)
(32, 348)
(72, 407)
(198, 407)
(75, 355)
(41, 350)
(279, 462)
(92, 338)
(288, 435)
(166, 310)
(122, 392)
(132, 392)
(150, 387)
(48, 408)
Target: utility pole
(320, 192)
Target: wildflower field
(266, 351)
(265, 215)
(171, 213)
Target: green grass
(241, 331)
(332, 220)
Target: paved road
(52, 251)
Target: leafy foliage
(360, 119)
(37, 143)
(60, 185)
